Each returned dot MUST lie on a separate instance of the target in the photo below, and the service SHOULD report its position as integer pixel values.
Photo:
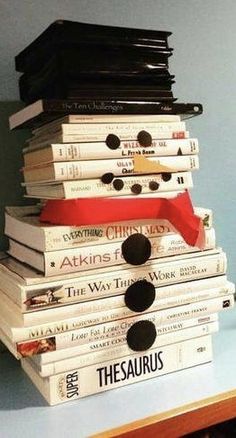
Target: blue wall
(204, 62)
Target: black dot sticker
(136, 249)
(144, 138)
(118, 184)
(166, 176)
(153, 185)
(140, 296)
(107, 178)
(141, 335)
(112, 141)
(136, 189)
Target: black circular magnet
(140, 295)
(107, 178)
(144, 138)
(141, 335)
(118, 184)
(166, 176)
(136, 249)
(112, 141)
(136, 189)
(153, 185)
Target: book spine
(77, 170)
(126, 149)
(118, 129)
(98, 256)
(109, 118)
(113, 342)
(70, 332)
(100, 151)
(123, 350)
(107, 315)
(63, 237)
(77, 138)
(131, 135)
(96, 188)
(106, 107)
(92, 288)
(113, 374)
(167, 296)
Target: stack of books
(114, 293)
(76, 60)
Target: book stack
(113, 277)
(76, 60)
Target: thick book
(68, 33)
(165, 334)
(62, 77)
(23, 225)
(158, 185)
(58, 90)
(29, 290)
(44, 111)
(82, 170)
(98, 256)
(163, 298)
(99, 326)
(100, 151)
(112, 374)
(121, 350)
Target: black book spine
(119, 107)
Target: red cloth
(91, 211)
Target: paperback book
(31, 291)
(113, 373)
(23, 225)
(98, 256)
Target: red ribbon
(90, 211)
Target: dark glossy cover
(96, 58)
(60, 85)
(63, 32)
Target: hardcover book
(43, 111)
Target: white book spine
(76, 170)
(129, 135)
(110, 118)
(83, 189)
(100, 256)
(95, 187)
(113, 374)
(100, 151)
(92, 257)
(173, 329)
(89, 287)
(49, 238)
(41, 141)
(71, 332)
(167, 296)
(106, 315)
(115, 352)
(62, 237)
(113, 128)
